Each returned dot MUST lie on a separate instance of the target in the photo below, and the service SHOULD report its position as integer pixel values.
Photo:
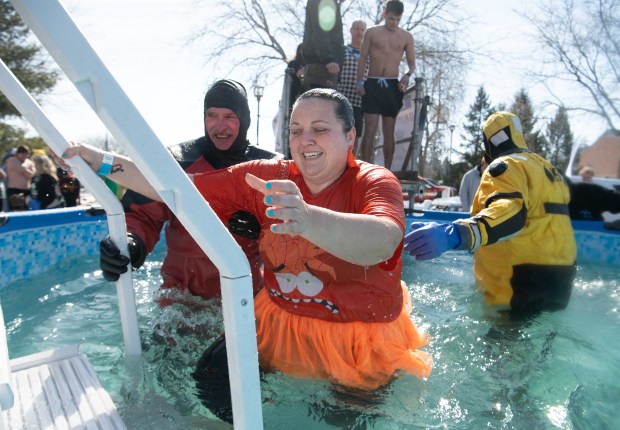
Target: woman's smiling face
(319, 145)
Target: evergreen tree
(522, 107)
(560, 140)
(27, 62)
(479, 111)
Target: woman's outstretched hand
(284, 202)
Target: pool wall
(32, 242)
(595, 243)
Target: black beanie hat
(228, 94)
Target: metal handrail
(53, 26)
(29, 108)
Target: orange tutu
(355, 354)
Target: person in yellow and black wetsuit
(520, 229)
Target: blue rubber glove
(429, 240)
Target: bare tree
(252, 34)
(261, 35)
(582, 40)
(442, 65)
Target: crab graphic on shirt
(302, 271)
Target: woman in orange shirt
(334, 306)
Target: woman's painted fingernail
(64, 155)
(270, 212)
(274, 228)
(268, 200)
(268, 185)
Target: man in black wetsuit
(224, 144)
(588, 200)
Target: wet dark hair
(342, 108)
(23, 149)
(395, 6)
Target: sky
(144, 45)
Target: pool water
(555, 371)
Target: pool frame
(32, 242)
(595, 243)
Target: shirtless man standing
(20, 170)
(382, 92)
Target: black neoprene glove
(244, 224)
(113, 264)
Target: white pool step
(59, 389)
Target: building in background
(603, 156)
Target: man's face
(222, 125)
(357, 33)
(587, 176)
(392, 21)
(21, 156)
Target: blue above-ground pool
(596, 244)
(32, 242)
(556, 371)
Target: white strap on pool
(53, 26)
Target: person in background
(226, 120)
(382, 92)
(20, 170)
(348, 76)
(322, 44)
(69, 187)
(2, 188)
(44, 184)
(470, 183)
(296, 68)
(586, 173)
(4, 203)
(519, 227)
(589, 200)
(334, 306)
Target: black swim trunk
(382, 97)
(17, 199)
